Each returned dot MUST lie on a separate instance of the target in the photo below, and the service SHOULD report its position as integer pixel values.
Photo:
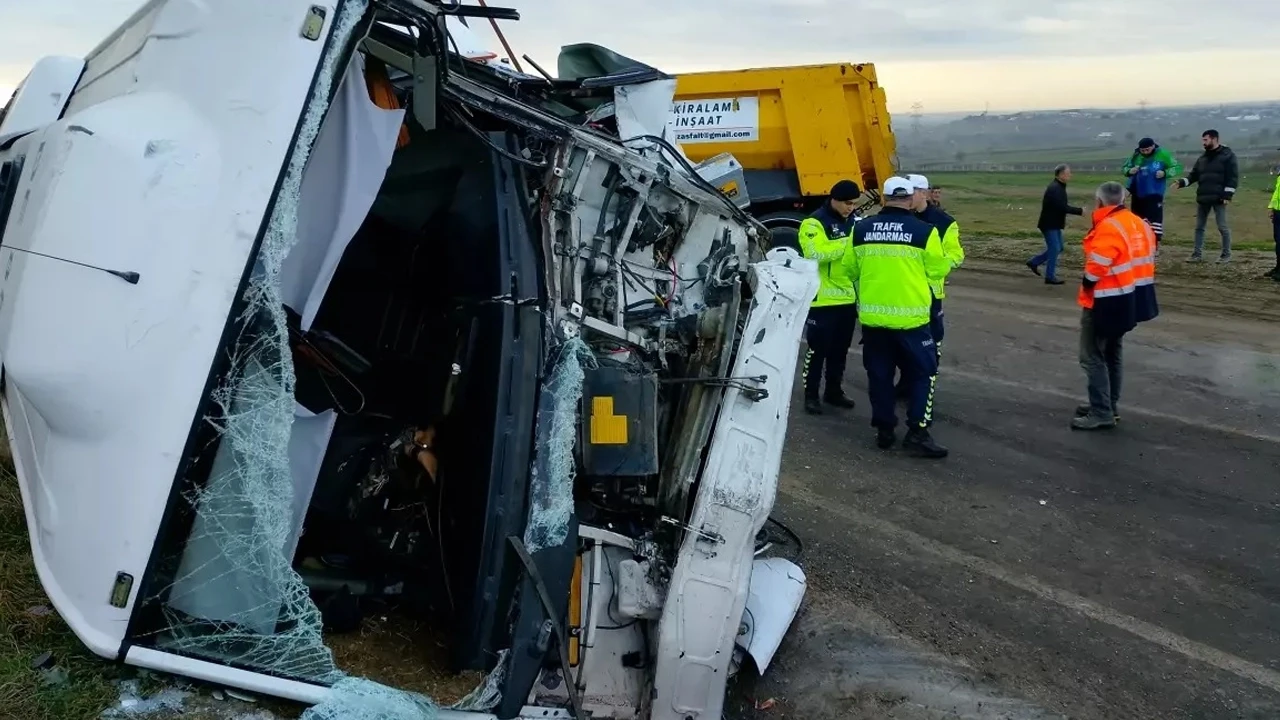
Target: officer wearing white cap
(895, 257)
(949, 231)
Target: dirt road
(1038, 572)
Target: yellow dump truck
(795, 131)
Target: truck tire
(784, 228)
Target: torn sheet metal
(709, 584)
(777, 589)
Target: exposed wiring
(687, 281)
(467, 124)
(695, 177)
(640, 283)
(743, 384)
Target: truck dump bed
(795, 130)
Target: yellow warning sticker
(607, 428)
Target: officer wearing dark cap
(1149, 169)
(824, 237)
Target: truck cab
(304, 314)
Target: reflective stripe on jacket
(824, 237)
(949, 231)
(1275, 197)
(1142, 250)
(895, 256)
(1109, 281)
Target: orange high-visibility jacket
(1109, 281)
(1142, 251)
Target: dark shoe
(1084, 410)
(1054, 281)
(1224, 259)
(1032, 267)
(920, 443)
(813, 406)
(840, 400)
(1272, 273)
(885, 438)
(1091, 422)
(1195, 258)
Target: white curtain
(341, 181)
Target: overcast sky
(948, 55)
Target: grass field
(997, 213)
(28, 628)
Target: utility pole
(917, 109)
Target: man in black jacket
(1054, 210)
(1218, 173)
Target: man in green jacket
(833, 314)
(893, 260)
(1149, 169)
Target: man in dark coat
(1218, 173)
(1054, 210)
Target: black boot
(812, 404)
(1272, 273)
(920, 443)
(885, 438)
(839, 399)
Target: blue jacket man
(1149, 171)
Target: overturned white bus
(302, 311)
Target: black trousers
(1151, 209)
(829, 333)
(913, 353)
(937, 329)
(1275, 231)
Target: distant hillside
(1098, 138)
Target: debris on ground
(134, 704)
